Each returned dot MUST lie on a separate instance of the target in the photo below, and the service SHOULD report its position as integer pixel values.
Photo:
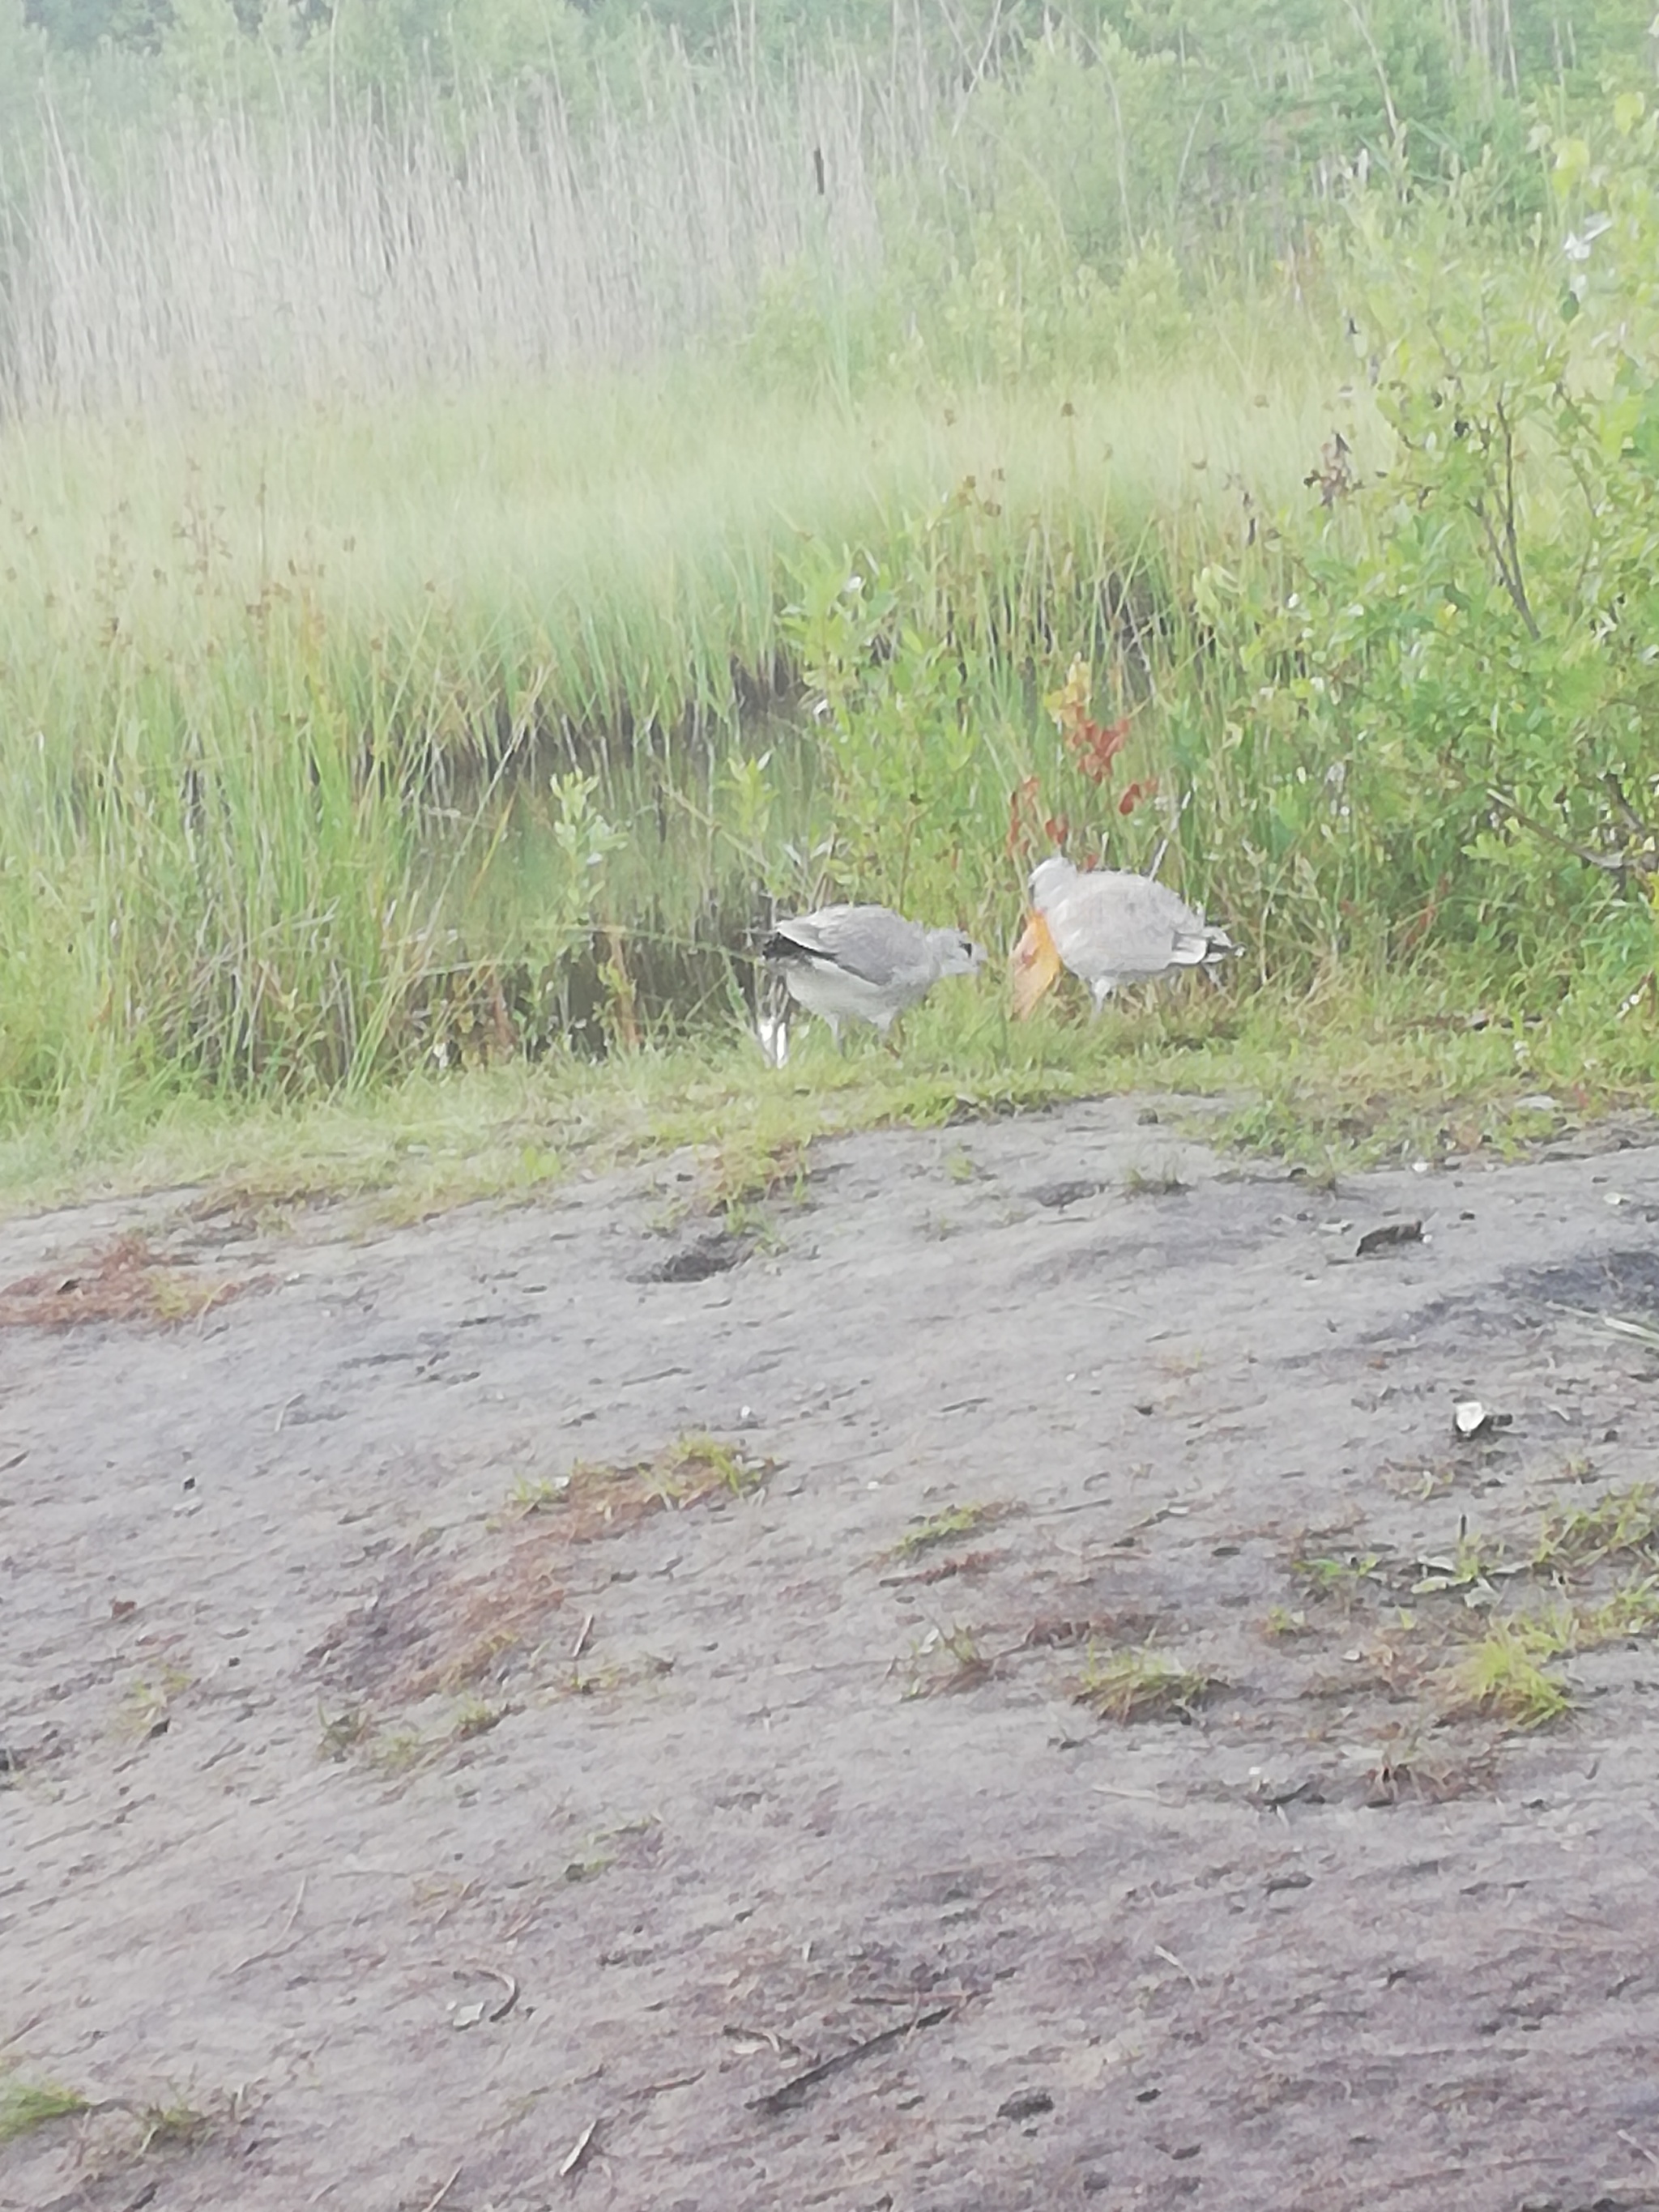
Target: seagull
(866, 963)
(1108, 928)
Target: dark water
(591, 918)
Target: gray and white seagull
(1108, 928)
(864, 963)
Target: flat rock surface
(1032, 1757)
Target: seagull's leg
(772, 1007)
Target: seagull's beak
(1032, 965)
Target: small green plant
(1283, 1625)
(170, 2127)
(539, 1494)
(751, 1170)
(945, 1659)
(475, 1716)
(944, 1528)
(26, 2105)
(695, 1462)
(345, 1731)
(1470, 1569)
(1331, 1576)
(1624, 1523)
(1504, 1675)
(593, 1862)
(148, 1703)
(1632, 1610)
(398, 1751)
(1141, 1684)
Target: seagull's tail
(1203, 948)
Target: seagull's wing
(1111, 923)
(871, 942)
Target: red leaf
(1095, 748)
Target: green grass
(618, 543)
(26, 2105)
(1334, 1082)
(696, 1463)
(1504, 1675)
(1504, 1669)
(1622, 1523)
(1140, 1685)
(293, 709)
(947, 1526)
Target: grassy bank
(1401, 1069)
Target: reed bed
(230, 256)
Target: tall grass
(268, 684)
(363, 248)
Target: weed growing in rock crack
(1142, 1686)
(1504, 1672)
(945, 1527)
(595, 1499)
(1333, 1577)
(124, 1281)
(944, 1570)
(26, 2105)
(697, 1463)
(344, 1731)
(1472, 1569)
(1632, 1610)
(1625, 1522)
(170, 2127)
(602, 1849)
(476, 1718)
(619, 1674)
(399, 1752)
(742, 1219)
(1282, 1624)
(584, 1869)
(955, 1658)
(148, 1704)
(748, 1170)
(1405, 1771)
(1502, 1676)
(528, 1496)
(1423, 1483)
